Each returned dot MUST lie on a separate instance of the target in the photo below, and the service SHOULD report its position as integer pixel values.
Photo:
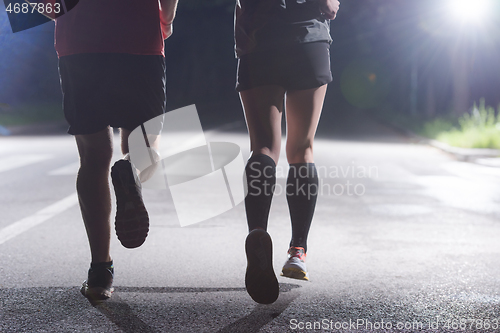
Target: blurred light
(365, 83)
(466, 11)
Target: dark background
(378, 46)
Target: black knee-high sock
(301, 194)
(261, 179)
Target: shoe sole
(260, 281)
(96, 294)
(132, 219)
(294, 273)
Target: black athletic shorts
(296, 67)
(111, 89)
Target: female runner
(284, 65)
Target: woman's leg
(263, 108)
(303, 110)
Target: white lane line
(39, 217)
(70, 169)
(17, 161)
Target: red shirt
(110, 26)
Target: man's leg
(95, 203)
(132, 219)
(93, 190)
(153, 144)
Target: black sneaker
(99, 284)
(132, 220)
(260, 280)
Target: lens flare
(467, 11)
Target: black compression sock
(261, 179)
(102, 265)
(301, 195)
(101, 275)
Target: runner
(112, 70)
(284, 64)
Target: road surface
(404, 239)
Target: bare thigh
(303, 110)
(263, 108)
(95, 149)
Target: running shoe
(132, 220)
(260, 280)
(295, 266)
(99, 284)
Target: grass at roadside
(472, 138)
(478, 129)
(30, 113)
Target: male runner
(112, 71)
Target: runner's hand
(167, 15)
(329, 8)
(166, 29)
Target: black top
(266, 24)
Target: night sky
(391, 56)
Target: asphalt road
(404, 239)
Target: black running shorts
(295, 67)
(111, 89)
